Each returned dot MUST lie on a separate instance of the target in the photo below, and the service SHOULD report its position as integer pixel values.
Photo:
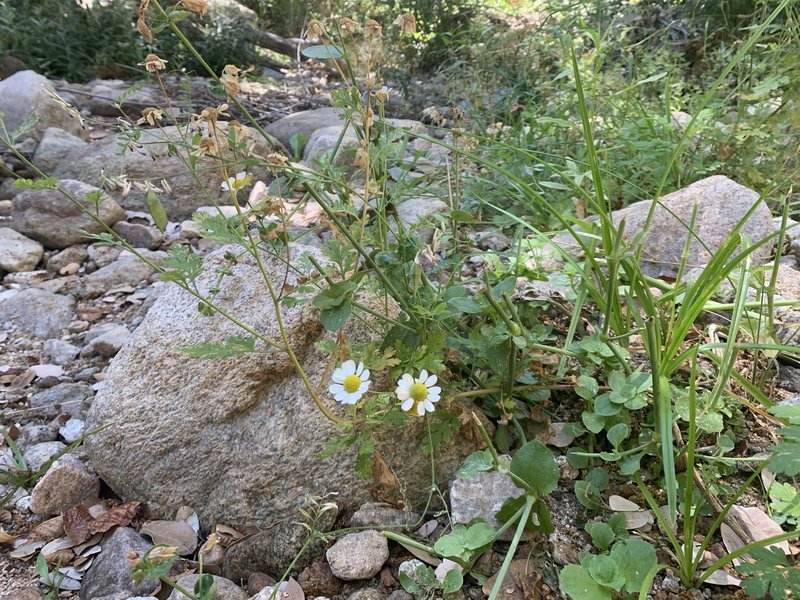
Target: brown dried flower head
(211, 115)
(372, 28)
(153, 63)
(362, 159)
(198, 6)
(206, 147)
(276, 158)
(230, 80)
(315, 30)
(407, 23)
(161, 553)
(151, 115)
(347, 25)
(141, 24)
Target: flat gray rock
(54, 147)
(358, 555)
(152, 161)
(56, 221)
(67, 483)
(303, 123)
(243, 431)
(111, 572)
(17, 252)
(40, 313)
(24, 93)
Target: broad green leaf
(452, 581)
(232, 346)
(577, 583)
(605, 571)
(602, 535)
(465, 305)
(334, 318)
(322, 52)
(478, 535)
(476, 463)
(535, 465)
(617, 434)
(604, 406)
(205, 587)
(452, 544)
(334, 295)
(588, 495)
(770, 575)
(156, 210)
(592, 421)
(634, 558)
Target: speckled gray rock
(33, 433)
(367, 594)
(67, 483)
(68, 398)
(381, 514)
(111, 573)
(303, 123)
(53, 219)
(139, 235)
(55, 145)
(274, 548)
(110, 342)
(245, 476)
(415, 210)
(358, 555)
(36, 311)
(72, 430)
(74, 254)
(721, 203)
(24, 93)
(125, 271)
(60, 352)
(152, 160)
(38, 454)
(226, 589)
(17, 252)
(482, 496)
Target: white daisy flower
(350, 382)
(418, 395)
(234, 184)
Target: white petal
(336, 388)
(433, 398)
(428, 406)
(241, 175)
(423, 375)
(406, 406)
(352, 398)
(364, 375)
(362, 389)
(349, 367)
(407, 379)
(341, 396)
(224, 185)
(402, 394)
(430, 380)
(338, 376)
(359, 368)
(421, 409)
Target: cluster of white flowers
(417, 395)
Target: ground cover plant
(654, 379)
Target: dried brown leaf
(49, 530)
(172, 533)
(120, 515)
(78, 524)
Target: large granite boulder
(26, 92)
(162, 154)
(238, 439)
(303, 123)
(721, 203)
(53, 219)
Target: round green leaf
(534, 464)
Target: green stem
(501, 575)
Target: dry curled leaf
(78, 524)
(49, 530)
(121, 515)
(172, 533)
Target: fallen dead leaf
(172, 533)
(620, 504)
(521, 582)
(49, 530)
(120, 515)
(722, 577)
(445, 567)
(422, 555)
(759, 525)
(24, 548)
(78, 524)
(5, 537)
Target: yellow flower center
(418, 392)
(351, 383)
